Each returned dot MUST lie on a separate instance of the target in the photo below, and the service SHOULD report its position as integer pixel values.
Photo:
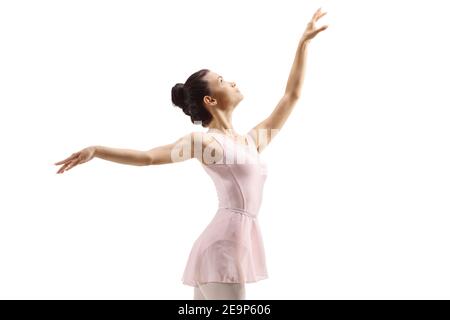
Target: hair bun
(179, 95)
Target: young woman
(230, 251)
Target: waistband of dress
(240, 211)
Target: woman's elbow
(154, 158)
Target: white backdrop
(356, 204)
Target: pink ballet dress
(230, 249)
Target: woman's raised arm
(266, 130)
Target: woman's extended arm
(180, 150)
(123, 156)
(265, 131)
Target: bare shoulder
(211, 151)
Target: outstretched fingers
(69, 164)
(321, 29)
(73, 156)
(61, 170)
(73, 164)
(318, 14)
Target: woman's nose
(233, 84)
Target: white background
(356, 204)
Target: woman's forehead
(215, 75)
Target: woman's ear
(209, 101)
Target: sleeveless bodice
(239, 176)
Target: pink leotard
(231, 249)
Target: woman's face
(226, 93)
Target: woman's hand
(311, 30)
(76, 158)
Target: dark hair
(189, 97)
